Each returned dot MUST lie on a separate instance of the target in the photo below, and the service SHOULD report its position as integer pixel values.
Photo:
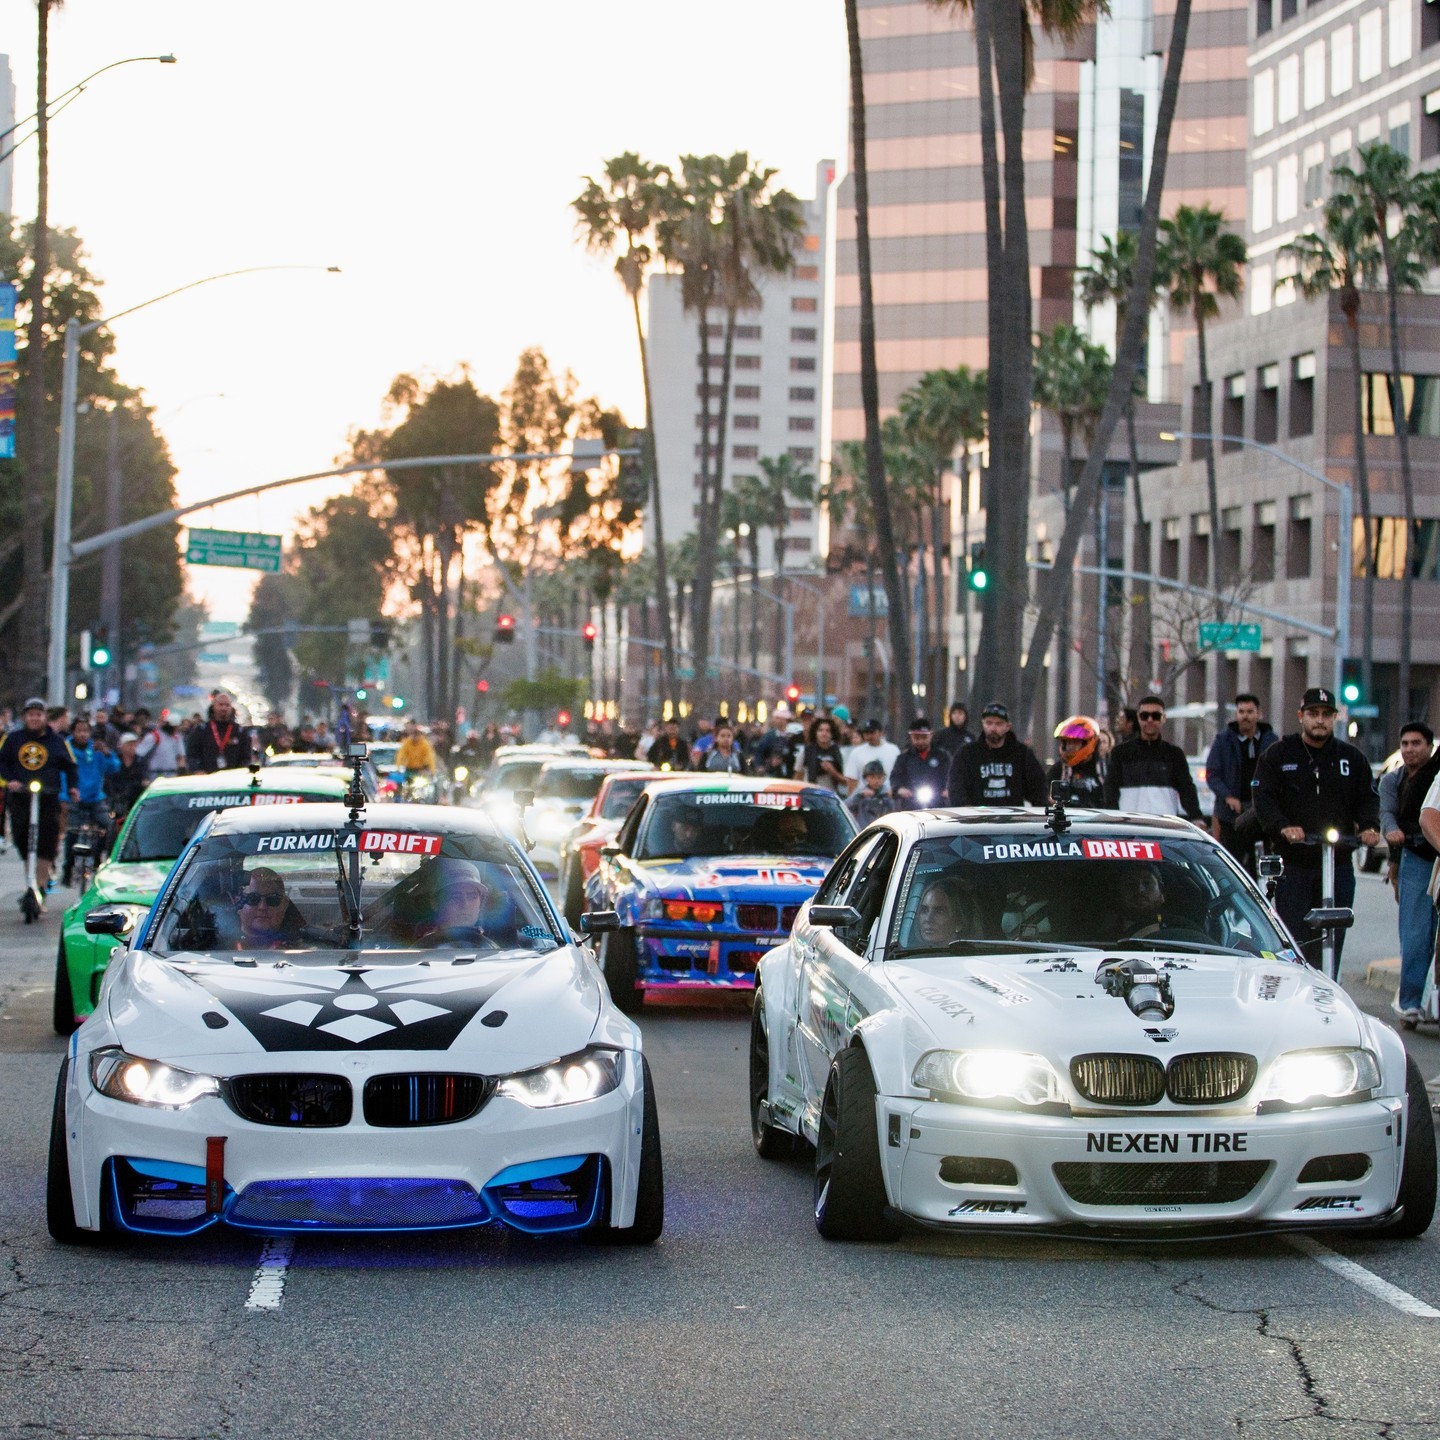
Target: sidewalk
(1384, 975)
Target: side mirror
(834, 917)
(107, 921)
(1338, 917)
(597, 922)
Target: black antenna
(1055, 816)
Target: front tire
(621, 966)
(771, 1142)
(849, 1187)
(59, 1202)
(1417, 1169)
(63, 1013)
(650, 1188)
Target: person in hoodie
(917, 778)
(1148, 774)
(92, 763)
(1230, 771)
(999, 768)
(1080, 770)
(956, 735)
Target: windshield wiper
(987, 947)
(1190, 947)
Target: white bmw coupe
(334, 1020)
(1012, 1019)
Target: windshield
(571, 784)
(418, 892)
(621, 796)
(715, 823)
(161, 825)
(383, 756)
(516, 774)
(960, 895)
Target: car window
(867, 892)
(844, 870)
(258, 891)
(516, 774)
(570, 784)
(713, 823)
(958, 894)
(626, 838)
(162, 825)
(621, 796)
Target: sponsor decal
(1161, 1034)
(372, 842)
(232, 799)
(763, 875)
(1330, 1202)
(764, 799)
(691, 947)
(1003, 993)
(534, 932)
(946, 1003)
(1163, 1209)
(1073, 850)
(988, 1207)
(1168, 1142)
(1269, 987)
(1323, 998)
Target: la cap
(1318, 698)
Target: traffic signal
(589, 632)
(397, 703)
(1352, 692)
(361, 694)
(482, 687)
(379, 634)
(792, 693)
(977, 577)
(99, 654)
(504, 629)
(563, 719)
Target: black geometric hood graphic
(368, 1011)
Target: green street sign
(684, 672)
(239, 549)
(1230, 637)
(1362, 712)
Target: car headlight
(652, 908)
(586, 1076)
(551, 824)
(148, 1082)
(1307, 1078)
(989, 1077)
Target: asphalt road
(740, 1322)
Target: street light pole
(1347, 529)
(61, 554)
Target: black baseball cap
(1318, 698)
(872, 725)
(33, 703)
(995, 710)
(920, 722)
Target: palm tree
(1383, 187)
(1342, 257)
(782, 481)
(626, 204)
(1202, 261)
(1072, 379)
(869, 370)
(750, 511)
(846, 500)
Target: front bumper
(700, 956)
(1140, 1172)
(534, 1170)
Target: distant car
(519, 770)
(331, 763)
(706, 874)
(157, 829)
(564, 790)
(368, 1025)
(1092, 1023)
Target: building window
(1399, 126)
(801, 515)
(1368, 131)
(1430, 115)
(1170, 549)
(1263, 566)
(712, 361)
(1285, 271)
(1287, 188)
(1313, 172)
(745, 452)
(747, 332)
(1262, 199)
(1263, 17)
(807, 272)
(747, 362)
(1297, 542)
(1302, 395)
(746, 422)
(747, 392)
(1340, 146)
(1267, 405)
(1200, 549)
(1393, 555)
(1201, 416)
(802, 363)
(1420, 395)
(1262, 294)
(1264, 102)
(802, 336)
(1342, 60)
(801, 544)
(1288, 9)
(1232, 413)
(802, 452)
(1401, 40)
(1287, 89)
(1314, 74)
(804, 304)
(802, 422)
(1368, 61)
(1232, 544)
(1429, 24)
(802, 392)
(812, 243)
(1131, 165)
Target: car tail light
(705, 911)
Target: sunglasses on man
(1152, 714)
(260, 897)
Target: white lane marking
(1367, 1280)
(267, 1289)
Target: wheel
(64, 1003)
(849, 1188)
(1417, 1170)
(59, 1203)
(771, 1142)
(621, 967)
(574, 892)
(650, 1190)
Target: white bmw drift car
(1009, 1019)
(334, 1020)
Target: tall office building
(775, 401)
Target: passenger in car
(946, 911)
(269, 919)
(453, 899)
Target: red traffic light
(482, 687)
(792, 693)
(506, 622)
(563, 719)
(589, 632)
(505, 629)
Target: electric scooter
(1328, 918)
(32, 901)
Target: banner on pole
(9, 371)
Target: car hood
(777, 877)
(1050, 1004)
(135, 882)
(495, 1014)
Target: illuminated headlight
(148, 1082)
(552, 824)
(989, 1077)
(925, 794)
(586, 1076)
(461, 773)
(1305, 1078)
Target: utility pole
(110, 561)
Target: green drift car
(157, 829)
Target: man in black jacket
(999, 768)
(1148, 774)
(221, 742)
(34, 753)
(1306, 784)
(917, 778)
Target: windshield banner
(240, 797)
(1062, 850)
(765, 799)
(389, 842)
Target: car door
(613, 876)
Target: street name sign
(242, 549)
(1230, 637)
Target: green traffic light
(979, 580)
(397, 703)
(1351, 691)
(361, 694)
(99, 657)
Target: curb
(1384, 975)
